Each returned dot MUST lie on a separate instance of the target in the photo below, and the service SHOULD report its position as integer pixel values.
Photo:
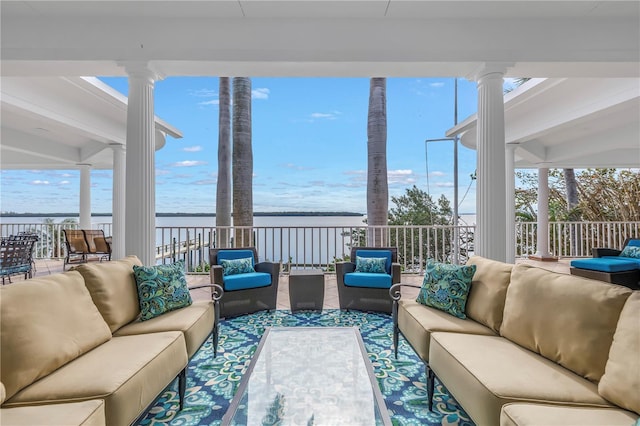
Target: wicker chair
(607, 265)
(16, 257)
(367, 292)
(82, 243)
(245, 293)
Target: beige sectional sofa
(537, 348)
(75, 352)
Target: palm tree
(242, 160)
(223, 188)
(377, 185)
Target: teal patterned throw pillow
(161, 289)
(236, 266)
(446, 287)
(374, 265)
(631, 251)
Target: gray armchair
(248, 292)
(363, 290)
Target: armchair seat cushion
(245, 281)
(606, 264)
(367, 279)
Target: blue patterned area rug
(212, 382)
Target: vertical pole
(118, 203)
(85, 196)
(456, 230)
(511, 203)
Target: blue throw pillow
(446, 287)
(161, 289)
(374, 265)
(237, 266)
(631, 251)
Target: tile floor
(51, 266)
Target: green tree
(223, 186)
(242, 159)
(377, 185)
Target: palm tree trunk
(377, 185)
(223, 187)
(572, 204)
(242, 161)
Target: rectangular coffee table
(309, 376)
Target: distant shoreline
(186, 214)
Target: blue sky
(309, 147)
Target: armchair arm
(268, 267)
(395, 294)
(216, 290)
(215, 274)
(396, 271)
(343, 268)
(600, 252)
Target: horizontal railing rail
(322, 246)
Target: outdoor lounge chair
(82, 243)
(16, 257)
(611, 265)
(368, 291)
(246, 290)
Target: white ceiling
(47, 45)
(322, 38)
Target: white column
(490, 234)
(542, 245)
(85, 196)
(140, 197)
(510, 196)
(118, 203)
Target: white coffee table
(309, 375)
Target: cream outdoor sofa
(75, 353)
(537, 348)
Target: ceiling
(53, 117)
(322, 38)
(569, 123)
(61, 122)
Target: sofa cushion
(367, 280)
(485, 372)
(446, 287)
(485, 303)
(113, 289)
(87, 413)
(568, 319)
(555, 415)
(127, 372)
(161, 289)
(44, 324)
(621, 379)
(237, 266)
(605, 264)
(417, 322)
(245, 281)
(195, 322)
(374, 265)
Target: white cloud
(160, 172)
(437, 84)
(64, 182)
(401, 176)
(195, 148)
(39, 182)
(205, 182)
(260, 93)
(203, 93)
(66, 175)
(294, 167)
(444, 184)
(437, 174)
(189, 163)
(325, 115)
(211, 102)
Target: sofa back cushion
(488, 291)
(565, 318)
(621, 380)
(113, 288)
(44, 324)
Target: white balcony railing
(321, 246)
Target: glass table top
(309, 376)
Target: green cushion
(446, 287)
(631, 251)
(237, 266)
(373, 265)
(161, 289)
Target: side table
(306, 289)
